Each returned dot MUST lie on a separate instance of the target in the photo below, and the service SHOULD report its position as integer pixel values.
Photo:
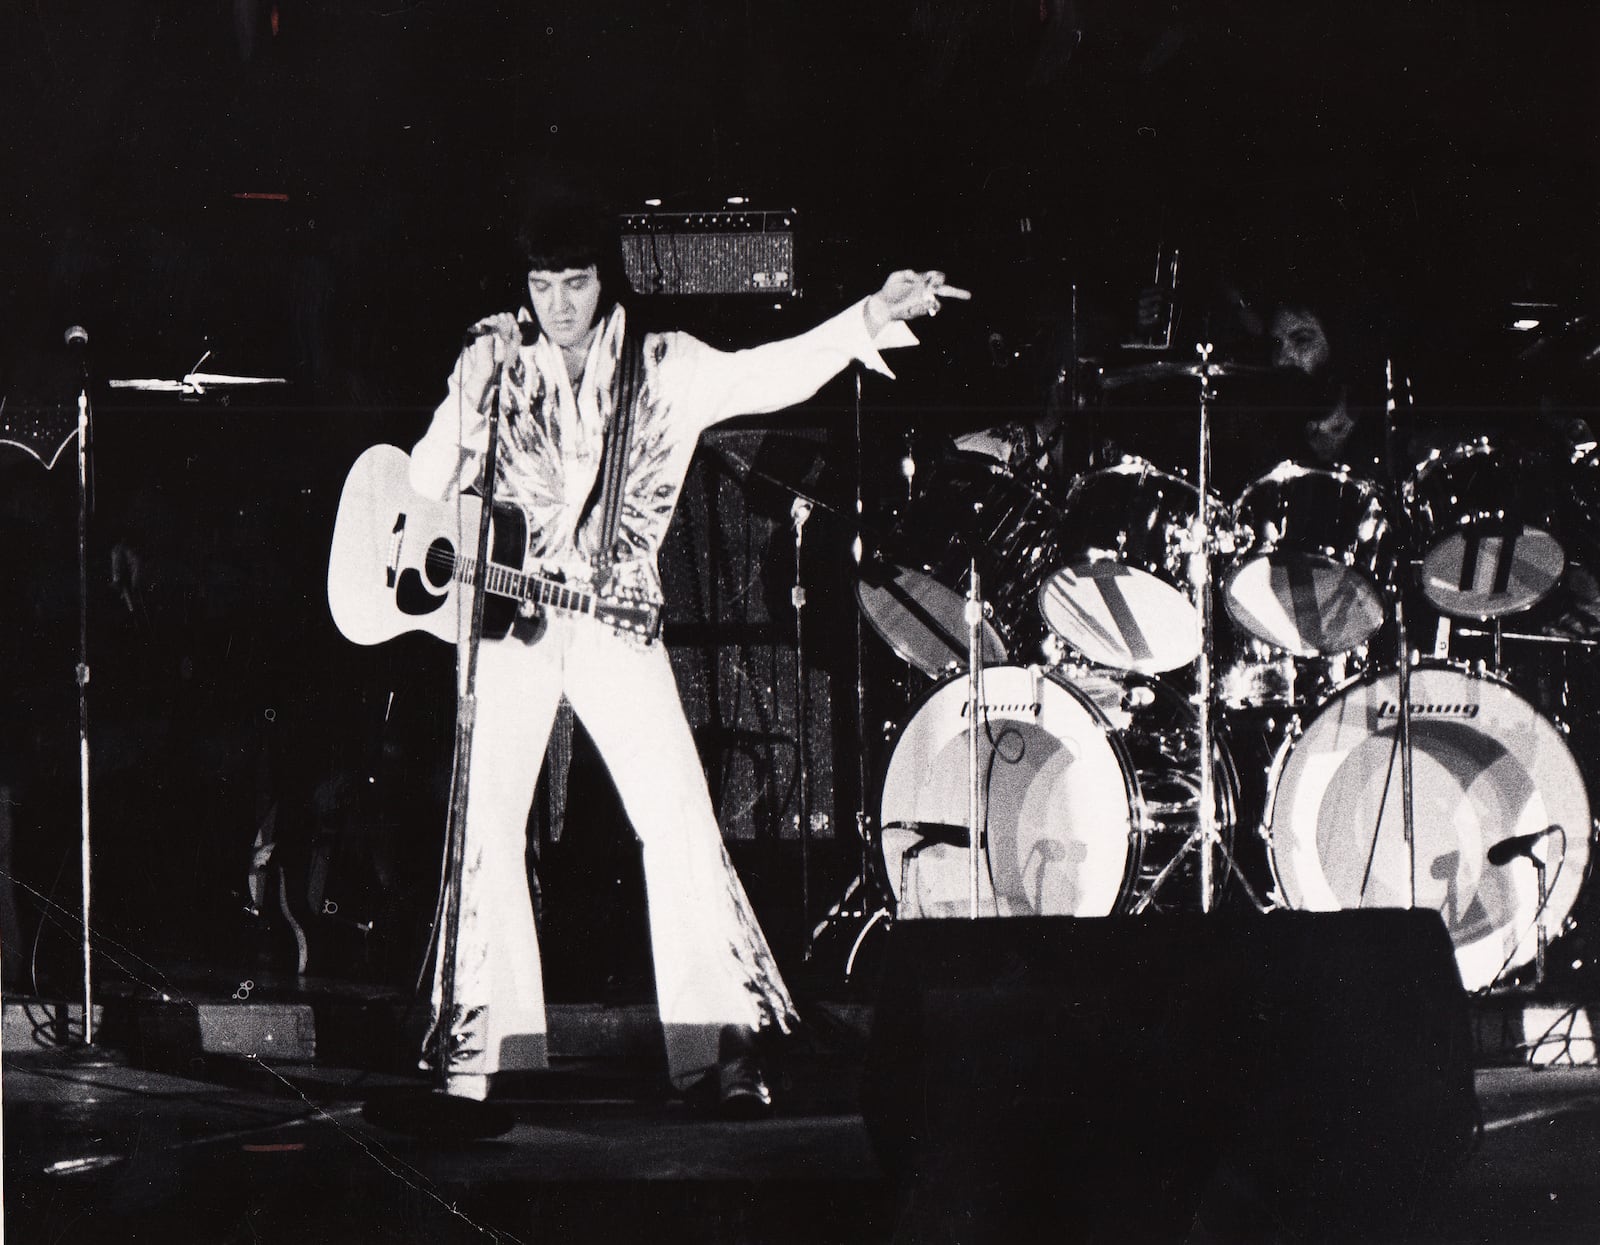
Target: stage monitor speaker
(1293, 1076)
(724, 252)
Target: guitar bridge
(396, 535)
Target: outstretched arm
(717, 385)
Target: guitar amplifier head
(722, 252)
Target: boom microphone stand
(867, 889)
(1403, 676)
(975, 801)
(78, 340)
(799, 512)
(466, 718)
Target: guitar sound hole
(439, 563)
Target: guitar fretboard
(502, 581)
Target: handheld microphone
(77, 341)
(529, 332)
(1507, 850)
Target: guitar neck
(526, 587)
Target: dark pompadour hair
(558, 231)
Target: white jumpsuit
(713, 967)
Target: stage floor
(282, 1150)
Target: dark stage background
(323, 192)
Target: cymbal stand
(1198, 545)
(1200, 579)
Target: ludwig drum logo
(1389, 709)
(1004, 709)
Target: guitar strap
(614, 464)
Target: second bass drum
(1487, 767)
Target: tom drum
(913, 590)
(1121, 597)
(1314, 556)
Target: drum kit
(1088, 717)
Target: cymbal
(1172, 369)
(197, 382)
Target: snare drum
(1121, 596)
(913, 590)
(1090, 788)
(1486, 521)
(1315, 555)
(1486, 767)
(1253, 675)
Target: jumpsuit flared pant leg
(713, 967)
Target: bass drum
(1090, 790)
(1487, 767)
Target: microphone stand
(974, 619)
(1541, 935)
(1403, 678)
(869, 888)
(85, 428)
(799, 512)
(460, 778)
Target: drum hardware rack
(1525, 637)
